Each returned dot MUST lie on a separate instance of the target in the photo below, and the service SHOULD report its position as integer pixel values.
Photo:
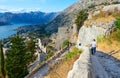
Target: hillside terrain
(103, 25)
(100, 25)
(31, 17)
(61, 70)
(77, 26)
(65, 21)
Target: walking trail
(100, 65)
(105, 66)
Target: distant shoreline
(5, 24)
(9, 30)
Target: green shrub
(75, 51)
(117, 23)
(117, 2)
(100, 38)
(117, 34)
(106, 3)
(65, 43)
(91, 6)
(69, 55)
(81, 17)
(49, 54)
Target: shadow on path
(105, 66)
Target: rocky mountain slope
(63, 27)
(66, 17)
(31, 17)
(64, 22)
(4, 23)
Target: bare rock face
(93, 29)
(112, 8)
(88, 33)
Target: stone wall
(62, 35)
(82, 67)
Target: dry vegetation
(61, 70)
(101, 19)
(74, 37)
(104, 16)
(105, 19)
(110, 45)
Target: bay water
(8, 30)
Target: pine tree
(15, 63)
(30, 46)
(2, 70)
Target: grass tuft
(74, 51)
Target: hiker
(93, 46)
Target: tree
(30, 46)
(2, 70)
(81, 17)
(15, 62)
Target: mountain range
(31, 17)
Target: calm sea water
(8, 30)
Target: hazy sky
(41, 5)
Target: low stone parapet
(82, 67)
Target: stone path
(111, 64)
(98, 69)
(105, 66)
